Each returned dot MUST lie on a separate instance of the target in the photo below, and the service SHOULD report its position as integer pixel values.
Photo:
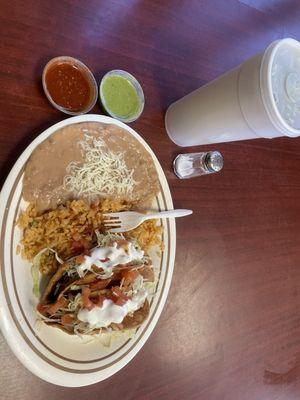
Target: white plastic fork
(127, 220)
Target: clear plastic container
(138, 89)
(87, 73)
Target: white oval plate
(50, 353)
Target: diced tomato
(116, 291)
(67, 319)
(130, 275)
(98, 300)
(118, 297)
(105, 260)
(99, 284)
(41, 308)
(87, 303)
(61, 302)
(80, 259)
(79, 246)
(120, 301)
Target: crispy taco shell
(130, 321)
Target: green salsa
(120, 97)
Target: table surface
(231, 325)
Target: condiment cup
(138, 88)
(74, 62)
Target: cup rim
(138, 88)
(266, 86)
(71, 60)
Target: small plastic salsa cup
(121, 95)
(69, 85)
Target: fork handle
(168, 214)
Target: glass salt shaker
(196, 164)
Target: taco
(102, 290)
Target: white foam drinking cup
(258, 99)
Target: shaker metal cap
(214, 161)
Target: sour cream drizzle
(109, 312)
(108, 257)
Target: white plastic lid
(280, 85)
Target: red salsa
(68, 86)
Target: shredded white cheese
(103, 171)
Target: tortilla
(52, 284)
(65, 286)
(137, 318)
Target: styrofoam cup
(240, 104)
